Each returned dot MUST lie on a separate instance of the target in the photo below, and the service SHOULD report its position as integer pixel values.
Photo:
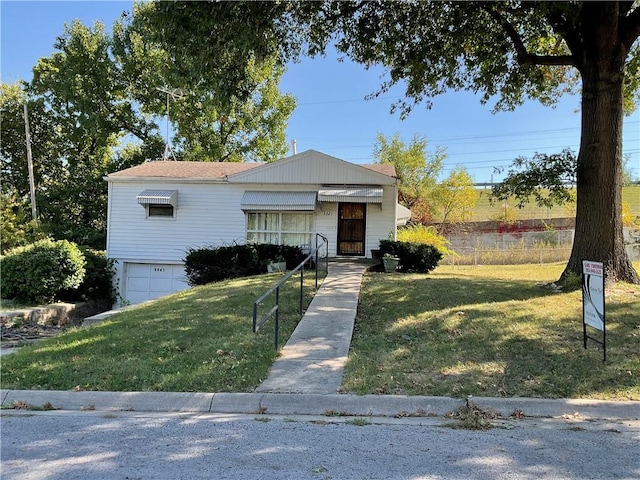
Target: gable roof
(306, 167)
(313, 167)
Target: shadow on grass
(420, 335)
(416, 292)
(197, 340)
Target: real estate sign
(593, 294)
(593, 311)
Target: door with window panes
(351, 228)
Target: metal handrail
(275, 310)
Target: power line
(527, 136)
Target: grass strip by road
(197, 340)
(490, 331)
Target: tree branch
(568, 31)
(631, 28)
(522, 55)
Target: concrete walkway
(313, 359)
(306, 378)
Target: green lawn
(197, 340)
(491, 330)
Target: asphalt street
(88, 445)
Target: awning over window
(354, 194)
(260, 200)
(158, 197)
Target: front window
(287, 228)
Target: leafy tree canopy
(95, 107)
(417, 170)
(547, 179)
(231, 111)
(455, 197)
(17, 228)
(507, 51)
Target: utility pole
(32, 184)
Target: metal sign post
(593, 306)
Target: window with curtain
(288, 228)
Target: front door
(351, 228)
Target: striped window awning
(158, 197)
(261, 200)
(352, 194)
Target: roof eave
(109, 178)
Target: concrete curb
(314, 404)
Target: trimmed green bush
(206, 265)
(213, 264)
(414, 257)
(40, 271)
(97, 286)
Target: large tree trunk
(599, 228)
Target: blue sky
(332, 115)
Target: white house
(158, 210)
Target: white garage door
(146, 281)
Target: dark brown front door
(351, 228)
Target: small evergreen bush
(213, 264)
(97, 286)
(40, 271)
(414, 257)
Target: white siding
(327, 224)
(210, 214)
(312, 167)
(207, 214)
(381, 221)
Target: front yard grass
(197, 340)
(490, 331)
(482, 331)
